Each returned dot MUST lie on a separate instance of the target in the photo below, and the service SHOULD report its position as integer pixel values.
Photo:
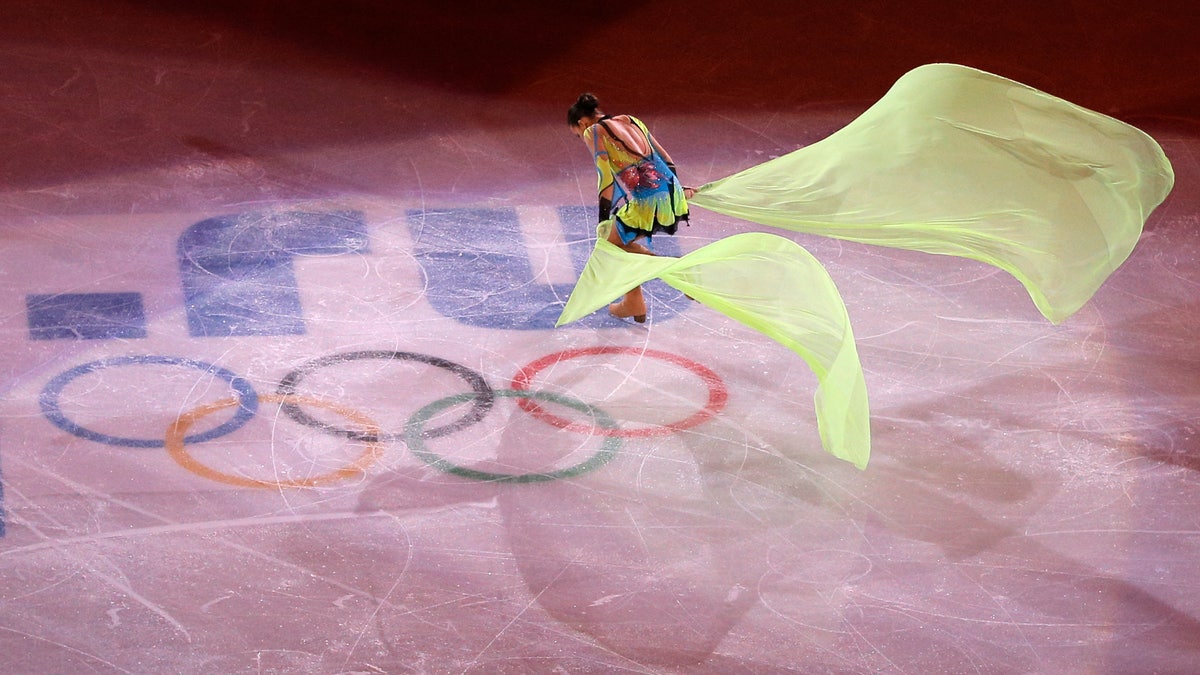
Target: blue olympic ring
(246, 396)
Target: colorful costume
(646, 194)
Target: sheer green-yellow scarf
(953, 161)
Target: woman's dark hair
(585, 106)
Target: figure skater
(639, 187)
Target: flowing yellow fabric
(952, 161)
(770, 284)
(956, 161)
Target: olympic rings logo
(416, 433)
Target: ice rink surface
(282, 392)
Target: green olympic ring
(414, 437)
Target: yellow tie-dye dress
(646, 194)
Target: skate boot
(633, 305)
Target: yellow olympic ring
(178, 450)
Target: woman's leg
(634, 303)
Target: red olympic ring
(718, 395)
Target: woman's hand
(688, 192)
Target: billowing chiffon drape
(953, 161)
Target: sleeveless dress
(647, 195)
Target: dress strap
(625, 145)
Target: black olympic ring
(483, 396)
